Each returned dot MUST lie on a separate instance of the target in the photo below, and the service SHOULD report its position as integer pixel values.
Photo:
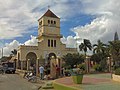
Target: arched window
(54, 22)
(48, 21)
(40, 23)
(51, 22)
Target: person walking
(41, 69)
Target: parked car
(9, 67)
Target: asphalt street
(15, 82)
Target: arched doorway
(31, 59)
(48, 66)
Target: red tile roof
(50, 14)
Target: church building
(49, 44)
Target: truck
(9, 67)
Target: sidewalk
(39, 82)
(92, 82)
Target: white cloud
(8, 47)
(32, 42)
(16, 16)
(106, 23)
(69, 41)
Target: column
(21, 65)
(17, 64)
(53, 67)
(37, 66)
(58, 61)
(28, 64)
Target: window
(40, 23)
(48, 42)
(51, 43)
(51, 22)
(48, 21)
(54, 22)
(54, 43)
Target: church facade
(49, 43)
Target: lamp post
(88, 64)
(110, 65)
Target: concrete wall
(116, 77)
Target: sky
(82, 19)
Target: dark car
(9, 67)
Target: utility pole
(2, 48)
(2, 52)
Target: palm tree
(100, 47)
(85, 46)
(115, 51)
(14, 52)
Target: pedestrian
(41, 69)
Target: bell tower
(49, 26)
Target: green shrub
(97, 67)
(81, 66)
(117, 71)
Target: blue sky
(90, 19)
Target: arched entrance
(47, 65)
(31, 59)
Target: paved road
(15, 82)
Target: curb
(59, 86)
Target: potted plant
(77, 75)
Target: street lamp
(88, 64)
(110, 65)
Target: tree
(100, 47)
(85, 46)
(73, 59)
(95, 58)
(14, 52)
(115, 51)
(100, 51)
